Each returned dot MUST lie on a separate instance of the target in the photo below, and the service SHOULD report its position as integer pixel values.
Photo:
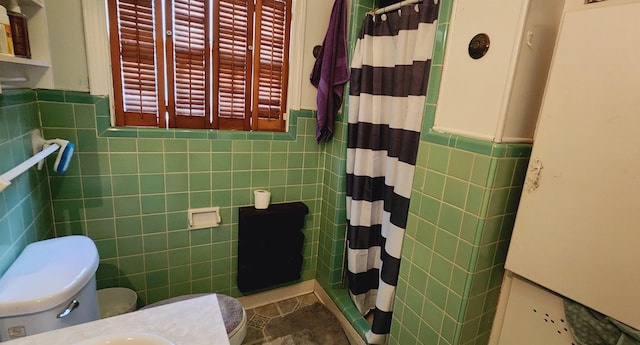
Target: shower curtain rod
(395, 6)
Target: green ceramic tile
(430, 209)
(199, 181)
(85, 116)
(154, 242)
(438, 52)
(152, 203)
(260, 160)
(125, 163)
(199, 162)
(476, 200)
(154, 223)
(175, 145)
(199, 146)
(177, 202)
(464, 254)
(176, 182)
(50, 95)
(438, 158)
(102, 106)
(155, 261)
(485, 257)
(414, 300)
(128, 226)
(122, 145)
(149, 145)
(79, 97)
(460, 164)
(125, 184)
(446, 245)
(97, 208)
(498, 201)
(520, 172)
(491, 230)
(241, 179)
(441, 268)
(55, 114)
(87, 141)
(458, 280)
(241, 146)
(179, 239)
(435, 75)
(504, 172)
(68, 210)
(221, 161)
(437, 293)
(157, 278)
(94, 164)
(130, 264)
(199, 199)
(151, 163)
(152, 183)
(480, 173)
(450, 219)
(65, 187)
(175, 162)
(260, 179)
(434, 184)
(455, 192)
(101, 229)
(127, 206)
(241, 161)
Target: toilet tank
(51, 285)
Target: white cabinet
(34, 72)
(578, 232)
(497, 97)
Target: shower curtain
(389, 73)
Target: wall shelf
(35, 72)
(23, 61)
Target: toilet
(233, 314)
(51, 285)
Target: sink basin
(127, 338)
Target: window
(200, 63)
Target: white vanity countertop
(195, 321)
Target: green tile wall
(25, 205)
(129, 190)
(462, 211)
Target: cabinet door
(578, 233)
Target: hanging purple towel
(331, 71)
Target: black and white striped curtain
(389, 73)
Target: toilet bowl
(233, 314)
(51, 285)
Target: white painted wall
(66, 41)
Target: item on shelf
(6, 42)
(19, 30)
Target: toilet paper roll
(262, 198)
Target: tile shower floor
(260, 319)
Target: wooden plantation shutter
(188, 55)
(134, 48)
(232, 63)
(169, 72)
(271, 64)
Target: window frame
(99, 58)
